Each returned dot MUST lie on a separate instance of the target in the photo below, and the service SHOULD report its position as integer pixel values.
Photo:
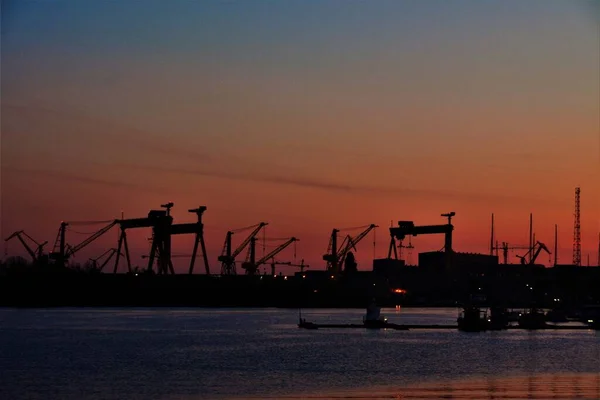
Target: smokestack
(530, 237)
(492, 238)
(555, 245)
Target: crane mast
(251, 267)
(65, 251)
(227, 258)
(534, 253)
(352, 242)
(335, 256)
(35, 255)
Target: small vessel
(590, 315)
(302, 323)
(307, 325)
(557, 315)
(373, 318)
(473, 319)
(499, 318)
(533, 318)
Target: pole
(555, 245)
(492, 237)
(530, 235)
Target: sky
(308, 115)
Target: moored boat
(533, 318)
(473, 319)
(373, 318)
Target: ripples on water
(259, 353)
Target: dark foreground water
(260, 353)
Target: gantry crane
(536, 252)
(252, 265)
(196, 228)
(36, 254)
(335, 256)
(160, 221)
(144, 256)
(227, 257)
(408, 228)
(397, 248)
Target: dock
(406, 327)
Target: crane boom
(23, 242)
(35, 255)
(352, 242)
(72, 250)
(243, 245)
(540, 246)
(276, 251)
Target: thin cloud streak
(344, 188)
(115, 131)
(65, 176)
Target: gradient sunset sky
(309, 115)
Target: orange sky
(298, 119)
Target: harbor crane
(227, 257)
(252, 266)
(536, 252)
(62, 251)
(108, 254)
(505, 249)
(196, 228)
(36, 254)
(335, 256)
(289, 264)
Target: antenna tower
(577, 230)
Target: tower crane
(36, 254)
(227, 257)
(335, 256)
(536, 252)
(252, 266)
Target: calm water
(259, 353)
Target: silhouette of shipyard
(442, 278)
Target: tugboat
(473, 319)
(374, 319)
(533, 318)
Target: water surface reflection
(543, 386)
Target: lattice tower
(577, 230)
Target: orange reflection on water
(544, 386)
